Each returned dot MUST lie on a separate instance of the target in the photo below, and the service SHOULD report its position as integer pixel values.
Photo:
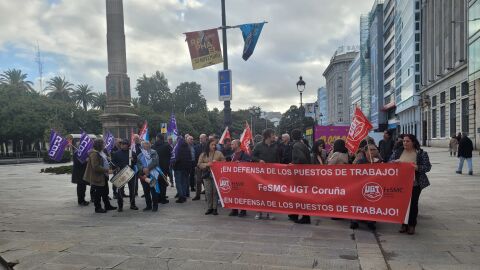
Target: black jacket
(120, 159)
(267, 153)
(198, 151)
(183, 161)
(78, 170)
(386, 148)
(285, 153)
(465, 148)
(164, 151)
(300, 153)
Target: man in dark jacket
(164, 152)
(300, 155)
(78, 171)
(181, 162)
(285, 149)
(199, 148)
(465, 149)
(386, 145)
(120, 159)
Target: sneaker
(108, 208)
(258, 216)
(209, 211)
(215, 212)
(100, 210)
(84, 203)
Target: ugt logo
(356, 130)
(225, 185)
(372, 192)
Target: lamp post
(300, 89)
(227, 111)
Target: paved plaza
(42, 227)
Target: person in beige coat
(209, 155)
(339, 154)
(453, 146)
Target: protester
(465, 149)
(181, 163)
(210, 155)
(412, 153)
(147, 162)
(370, 155)
(453, 145)
(266, 152)
(96, 174)
(171, 145)
(239, 156)
(78, 170)
(115, 148)
(398, 143)
(191, 173)
(300, 155)
(386, 145)
(164, 152)
(227, 150)
(198, 175)
(339, 154)
(136, 151)
(120, 160)
(319, 154)
(285, 149)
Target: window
(442, 122)
(453, 93)
(434, 123)
(453, 118)
(434, 101)
(464, 88)
(442, 97)
(465, 115)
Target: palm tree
(83, 95)
(17, 79)
(100, 101)
(59, 88)
(135, 102)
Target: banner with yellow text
(204, 48)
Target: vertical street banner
(358, 130)
(376, 192)
(204, 47)
(57, 146)
(331, 133)
(85, 145)
(310, 110)
(251, 33)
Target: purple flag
(86, 144)
(109, 141)
(172, 127)
(57, 146)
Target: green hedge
(58, 170)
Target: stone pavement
(42, 227)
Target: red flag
(225, 134)
(144, 131)
(358, 130)
(132, 141)
(246, 138)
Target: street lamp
(300, 89)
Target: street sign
(225, 85)
(163, 129)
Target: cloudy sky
(299, 39)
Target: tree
(294, 118)
(135, 102)
(154, 92)
(83, 95)
(16, 79)
(187, 97)
(100, 101)
(59, 88)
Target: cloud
(299, 39)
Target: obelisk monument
(118, 117)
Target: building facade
(336, 76)
(474, 64)
(407, 66)
(389, 64)
(377, 115)
(364, 63)
(447, 100)
(354, 84)
(322, 100)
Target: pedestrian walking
(412, 153)
(465, 149)
(239, 156)
(96, 173)
(266, 151)
(453, 145)
(210, 155)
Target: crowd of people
(185, 165)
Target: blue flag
(251, 33)
(109, 141)
(57, 146)
(86, 144)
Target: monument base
(120, 121)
